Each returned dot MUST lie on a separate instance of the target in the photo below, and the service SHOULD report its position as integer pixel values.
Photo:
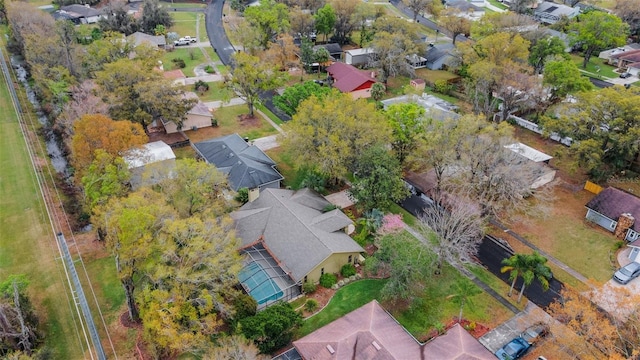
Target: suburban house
(606, 54)
(370, 332)
(334, 49)
(359, 56)
(440, 55)
(545, 173)
(434, 107)
(140, 38)
(150, 163)
(349, 79)
(245, 164)
(466, 9)
(616, 211)
(550, 12)
(416, 61)
(626, 60)
(78, 14)
(289, 238)
(197, 117)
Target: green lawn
(347, 299)
(498, 4)
(27, 244)
(286, 166)
(216, 92)
(184, 23)
(192, 57)
(228, 123)
(212, 53)
(593, 65)
(435, 75)
(271, 115)
(495, 283)
(407, 217)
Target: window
(350, 258)
(613, 224)
(321, 271)
(305, 279)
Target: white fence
(567, 141)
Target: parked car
(535, 333)
(190, 39)
(181, 41)
(513, 350)
(627, 273)
(625, 75)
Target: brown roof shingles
(369, 332)
(612, 203)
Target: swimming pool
(258, 283)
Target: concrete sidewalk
(266, 143)
(498, 337)
(219, 103)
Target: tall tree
(107, 177)
(544, 49)
(306, 54)
(522, 6)
(410, 265)
(67, 33)
(283, 53)
(134, 91)
(463, 292)
(457, 226)
(130, 226)
(393, 43)
(296, 94)
(196, 188)
(251, 77)
(119, 20)
(604, 125)
(629, 12)
(417, 6)
(563, 77)
(377, 180)
(325, 20)
(452, 20)
(108, 49)
(93, 132)
(196, 267)
(271, 328)
(302, 22)
(406, 121)
(331, 132)
(501, 22)
(153, 15)
(529, 267)
(345, 22)
(270, 17)
(598, 30)
(514, 89)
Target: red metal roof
(349, 78)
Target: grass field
(192, 57)
(184, 23)
(27, 243)
(498, 4)
(216, 92)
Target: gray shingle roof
(294, 228)
(437, 51)
(246, 165)
(612, 203)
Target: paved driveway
(614, 297)
(501, 335)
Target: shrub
(245, 306)
(209, 69)
(242, 196)
(201, 86)
(311, 305)
(327, 280)
(308, 287)
(442, 86)
(271, 328)
(179, 63)
(618, 245)
(347, 270)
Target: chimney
(625, 222)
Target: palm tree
(529, 267)
(463, 292)
(515, 265)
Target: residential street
(215, 31)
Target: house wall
(601, 220)
(361, 94)
(357, 59)
(199, 121)
(331, 265)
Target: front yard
(596, 67)
(192, 57)
(429, 312)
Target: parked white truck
(185, 41)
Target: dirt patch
(126, 321)
(249, 121)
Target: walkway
(557, 262)
(194, 79)
(219, 103)
(496, 338)
(468, 274)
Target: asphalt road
(424, 21)
(600, 83)
(215, 31)
(491, 254)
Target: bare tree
(417, 6)
(83, 101)
(514, 89)
(458, 224)
(235, 347)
